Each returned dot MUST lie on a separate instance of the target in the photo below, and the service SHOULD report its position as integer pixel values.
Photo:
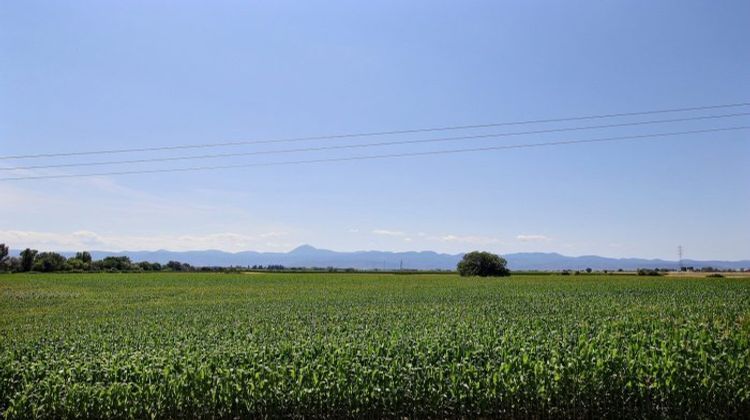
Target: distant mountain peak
(304, 248)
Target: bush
(648, 272)
(483, 264)
(715, 275)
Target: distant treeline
(50, 262)
(653, 271)
(31, 260)
(47, 262)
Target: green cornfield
(173, 345)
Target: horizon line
(382, 251)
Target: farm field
(350, 345)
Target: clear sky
(78, 76)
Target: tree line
(31, 260)
(49, 262)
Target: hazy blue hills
(308, 256)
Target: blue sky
(102, 75)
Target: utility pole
(401, 266)
(679, 256)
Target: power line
(383, 156)
(366, 145)
(369, 134)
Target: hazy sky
(80, 76)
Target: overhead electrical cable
(382, 156)
(366, 145)
(367, 134)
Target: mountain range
(308, 256)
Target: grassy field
(223, 346)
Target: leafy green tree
(84, 256)
(48, 262)
(483, 264)
(149, 266)
(174, 265)
(27, 259)
(4, 251)
(115, 263)
(178, 266)
(75, 264)
(14, 264)
(82, 261)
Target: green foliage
(178, 266)
(715, 275)
(114, 263)
(84, 257)
(4, 260)
(13, 265)
(76, 264)
(147, 266)
(483, 264)
(648, 272)
(194, 345)
(48, 262)
(27, 259)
